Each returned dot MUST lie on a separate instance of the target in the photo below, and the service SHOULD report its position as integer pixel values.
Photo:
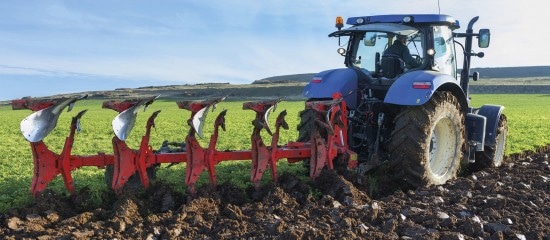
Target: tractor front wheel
(493, 156)
(426, 145)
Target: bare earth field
(510, 202)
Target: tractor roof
(395, 28)
(436, 19)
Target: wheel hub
(442, 147)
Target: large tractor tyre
(134, 182)
(493, 156)
(427, 143)
(307, 123)
(305, 128)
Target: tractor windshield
(444, 59)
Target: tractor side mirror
(369, 39)
(484, 38)
(475, 76)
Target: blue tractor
(416, 120)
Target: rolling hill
(532, 80)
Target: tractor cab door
(445, 56)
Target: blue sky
(56, 46)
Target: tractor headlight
(341, 51)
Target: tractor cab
(426, 43)
(407, 75)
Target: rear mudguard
(402, 92)
(492, 113)
(476, 126)
(326, 83)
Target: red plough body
(47, 164)
(126, 161)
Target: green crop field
(528, 121)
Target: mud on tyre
(427, 142)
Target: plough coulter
(125, 162)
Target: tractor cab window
(444, 58)
(372, 45)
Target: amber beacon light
(339, 22)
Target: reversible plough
(326, 143)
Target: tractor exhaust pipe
(465, 74)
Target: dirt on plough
(510, 202)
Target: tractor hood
(326, 83)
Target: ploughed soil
(509, 202)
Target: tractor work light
(408, 19)
(422, 85)
(341, 51)
(360, 21)
(339, 22)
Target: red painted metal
(262, 156)
(127, 162)
(121, 106)
(47, 164)
(325, 150)
(35, 104)
(199, 158)
(32, 104)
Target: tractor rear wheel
(307, 123)
(493, 156)
(427, 142)
(305, 128)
